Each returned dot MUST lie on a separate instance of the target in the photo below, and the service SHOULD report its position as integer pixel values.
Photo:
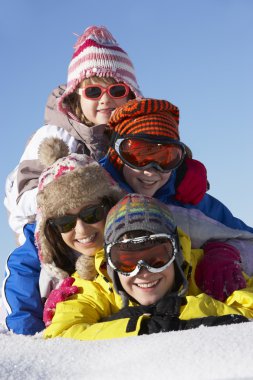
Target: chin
(148, 301)
(89, 252)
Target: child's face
(85, 238)
(146, 287)
(146, 181)
(99, 111)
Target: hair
(73, 100)
(134, 234)
(63, 256)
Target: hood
(93, 140)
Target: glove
(228, 319)
(156, 324)
(58, 295)
(191, 182)
(219, 273)
(162, 316)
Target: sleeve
(97, 331)
(239, 303)
(22, 182)
(20, 291)
(82, 317)
(215, 209)
(202, 229)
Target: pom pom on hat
(51, 149)
(54, 152)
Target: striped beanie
(149, 117)
(97, 54)
(138, 212)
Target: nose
(105, 98)
(150, 171)
(144, 272)
(81, 226)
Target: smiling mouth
(147, 183)
(147, 285)
(88, 239)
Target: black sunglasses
(89, 215)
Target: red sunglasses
(95, 91)
(141, 153)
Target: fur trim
(54, 271)
(85, 266)
(71, 182)
(51, 149)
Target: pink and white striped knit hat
(97, 53)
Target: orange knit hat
(139, 117)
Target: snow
(214, 353)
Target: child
(70, 229)
(145, 151)
(149, 262)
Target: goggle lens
(142, 154)
(128, 257)
(89, 215)
(115, 91)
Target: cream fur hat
(68, 182)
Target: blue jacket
(21, 294)
(209, 205)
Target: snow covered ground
(215, 353)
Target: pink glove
(191, 182)
(58, 295)
(219, 273)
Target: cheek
(67, 238)
(165, 177)
(129, 173)
(87, 105)
(125, 173)
(120, 102)
(169, 275)
(125, 282)
(100, 226)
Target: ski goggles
(155, 253)
(95, 91)
(141, 153)
(89, 215)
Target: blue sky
(198, 54)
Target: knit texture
(138, 117)
(138, 212)
(97, 53)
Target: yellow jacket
(80, 316)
